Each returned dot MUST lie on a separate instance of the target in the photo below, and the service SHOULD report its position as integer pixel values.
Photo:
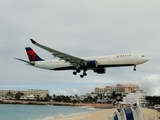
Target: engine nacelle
(100, 70)
(91, 64)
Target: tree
(119, 97)
(153, 99)
(95, 99)
(48, 98)
(9, 95)
(76, 96)
(38, 97)
(74, 101)
(89, 99)
(113, 95)
(18, 95)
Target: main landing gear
(134, 68)
(78, 71)
(84, 74)
(75, 72)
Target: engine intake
(91, 64)
(100, 70)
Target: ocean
(39, 112)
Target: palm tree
(9, 95)
(18, 95)
(37, 97)
(47, 98)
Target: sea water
(38, 112)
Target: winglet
(34, 42)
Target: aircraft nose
(147, 59)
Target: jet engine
(91, 64)
(100, 70)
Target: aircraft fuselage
(103, 61)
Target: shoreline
(89, 105)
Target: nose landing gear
(134, 68)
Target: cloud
(79, 28)
(150, 84)
(61, 92)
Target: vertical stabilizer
(32, 56)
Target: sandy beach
(149, 114)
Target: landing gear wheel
(134, 68)
(85, 74)
(74, 73)
(78, 71)
(81, 76)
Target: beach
(149, 114)
(39, 112)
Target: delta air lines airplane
(68, 62)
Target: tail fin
(32, 56)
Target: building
(133, 97)
(127, 87)
(82, 97)
(37, 92)
(10, 94)
(110, 89)
(130, 87)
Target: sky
(80, 28)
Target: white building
(133, 97)
(38, 92)
(82, 97)
(10, 94)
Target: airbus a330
(98, 64)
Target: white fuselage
(103, 61)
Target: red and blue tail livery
(32, 56)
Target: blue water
(37, 112)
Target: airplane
(68, 62)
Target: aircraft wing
(75, 61)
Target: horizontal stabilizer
(29, 63)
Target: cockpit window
(142, 56)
